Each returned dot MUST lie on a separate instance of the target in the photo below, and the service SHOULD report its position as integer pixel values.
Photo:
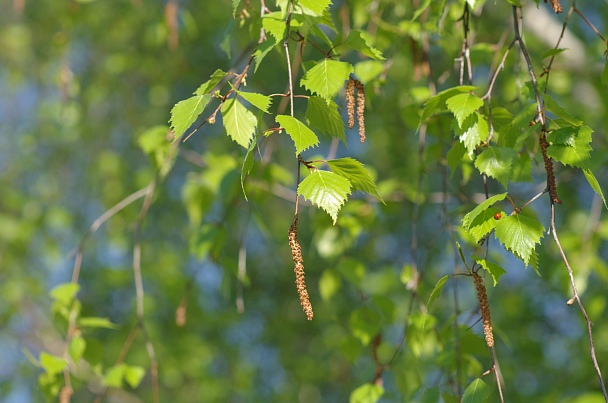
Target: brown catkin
(482, 296)
(551, 185)
(360, 109)
(557, 7)
(296, 254)
(350, 102)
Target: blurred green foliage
(86, 88)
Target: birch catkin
(482, 296)
(296, 254)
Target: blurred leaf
(356, 41)
(366, 393)
(114, 376)
(77, 347)
(553, 52)
(301, 135)
(326, 190)
(329, 284)
(51, 364)
(96, 322)
(65, 293)
(477, 391)
(248, 164)
(317, 6)
(133, 375)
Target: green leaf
(519, 234)
(356, 173)
(497, 162)
(326, 190)
(455, 156)
(478, 391)
(329, 284)
(248, 164)
(554, 108)
(114, 376)
(515, 3)
(437, 102)
(133, 375)
(495, 270)
(472, 3)
(262, 102)
(356, 41)
(368, 70)
(553, 52)
(262, 50)
(274, 24)
(484, 223)
(76, 348)
(327, 78)
(325, 117)
(96, 322)
(577, 150)
(594, 185)
(301, 135)
(225, 43)
(185, 112)
(467, 221)
(65, 293)
(51, 364)
(235, 6)
(420, 10)
(474, 131)
(239, 122)
(317, 6)
(436, 291)
(463, 105)
(367, 393)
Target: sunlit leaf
(317, 6)
(96, 322)
(301, 135)
(64, 293)
(467, 221)
(473, 131)
(463, 105)
(51, 364)
(577, 151)
(185, 112)
(208, 86)
(438, 102)
(262, 102)
(133, 375)
(326, 190)
(519, 234)
(76, 348)
(484, 223)
(114, 376)
(327, 78)
(497, 162)
(239, 122)
(495, 270)
(356, 173)
(366, 393)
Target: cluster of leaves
(66, 307)
(328, 190)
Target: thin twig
(580, 303)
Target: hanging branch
(554, 200)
